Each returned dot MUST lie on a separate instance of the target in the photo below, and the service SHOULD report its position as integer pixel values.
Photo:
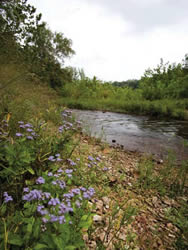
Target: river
(137, 133)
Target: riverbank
(133, 209)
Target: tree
(24, 35)
(48, 51)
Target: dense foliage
(133, 83)
(31, 41)
(168, 81)
(162, 91)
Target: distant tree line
(132, 83)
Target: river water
(137, 133)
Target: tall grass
(23, 96)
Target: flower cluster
(68, 123)
(4, 123)
(3, 129)
(27, 130)
(96, 162)
(55, 158)
(40, 180)
(7, 197)
(55, 206)
(71, 162)
(93, 161)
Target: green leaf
(15, 239)
(37, 229)
(39, 246)
(86, 221)
(31, 171)
(29, 228)
(57, 241)
(70, 248)
(3, 209)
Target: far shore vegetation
(161, 92)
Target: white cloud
(106, 42)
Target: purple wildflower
(90, 158)
(21, 122)
(7, 197)
(75, 191)
(19, 134)
(68, 171)
(29, 137)
(68, 195)
(44, 220)
(50, 174)
(89, 193)
(105, 169)
(86, 195)
(60, 170)
(91, 190)
(62, 219)
(26, 190)
(33, 195)
(54, 218)
(39, 208)
(57, 175)
(29, 130)
(61, 129)
(63, 114)
(47, 195)
(54, 201)
(61, 184)
(72, 163)
(40, 180)
(63, 209)
(28, 125)
(22, 126)
(43, 212)
(51, 158)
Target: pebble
(97, 218)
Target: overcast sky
(119, 39)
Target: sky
(117, 40)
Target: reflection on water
(139, 133)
